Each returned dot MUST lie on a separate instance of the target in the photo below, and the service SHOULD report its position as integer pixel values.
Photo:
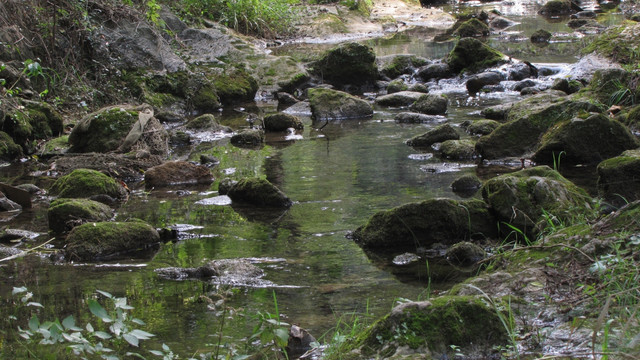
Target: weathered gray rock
(174, 173)
(557, 8)
(521, 71)
(478, 81)
(521, 85)
(108, 240)
(83, 183)
(527, 120)
(327, 104)
(413, 117)
(567, 86)
(430, 104)
(282, 122)
(523, 197)
(65, 213)
(422, 224)
(585, 141)
(396, 86)
(8, 205)
(259, 192)
(438, 134)
(458, 149)
(435, 71)
(619, 178)
(398, 99)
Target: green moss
(472, 28)
(64, 211)
(202, 122)
(206, 99)
(57, 145)
(9, 150)
(618, 43)
(85, 183)
(258, 191)
(235, 85)
(294, 82)
(100, 240)
(103, 131)
(350, 63)
(403, 64)
(470, 54)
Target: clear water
(338, 177)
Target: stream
(337, 177)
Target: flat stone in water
(216, 200)
(420, 156)
(406, 258)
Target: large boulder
(427, 329)
(177, 173)
(107, 240)
(84, 183)
(29, 121)
(430, 104)
(618, 43)
(348, 64)
(119, 128)
(521, 199)
(438, 134)
(282, 122)
(557, 8)
(327, 104)
(259, 192)
(585, 141)
(437, 70)
(619, 178)
(65, 213)
(609, 85)
(422, 224)
(398, 99)
(527, 120)
(472, 55)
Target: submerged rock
(107, 240)
(421, 224)
(223, 271)
(619, 178)
(327, 104)
(258, 192)
(84, 183)
(177, 173)
(522, 198)
(64, 214)
(584, 141)
(438, 134)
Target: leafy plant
(270, 330)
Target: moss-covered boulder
(235, 85)
(618, 43)
(249, 138)
(430, 104)
(398, 99)
(482, 127)
(119, 128)
(328, 104)
(472, 55)
(541, 36)
(421, 224)
(31, 120)
(466, 184)
(556, 8)
(429, 328)
(65, 213)
(608, 86)
(282, 122)
(206, 122)
(84, 183)
(348, 64)
(567, 86)
(174, 173)
(438, 134)
(619, 178)
(472, 28)
(527, 120)
(395, 65)
(584, 141)
(108, 240)
(259, 192)
(397, 85)
(205, 99)
(458, 149)
(55, 146)
(465, 253)
(522, 198)
(9, 150)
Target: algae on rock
(83, 183)
(65, 213)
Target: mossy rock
(567, 86)
(472, 55)
(396, 86)
(206, 122)
(9, 150)
(295, 82)
(84, 183)
(421, 224)
(348, 64)
(584, 141)
(619, 178)
(438, 134)
(282, 122)
(108, 240)
(482, 127)
(606, 82)
(399, 99)
(174, 173)
(235, 85)
(472, 28)
(465, 253)
(206, 99)
(498, 113)
(467, 321)
(556, 8)
(527, 120)
(250, 138)
(103, 130)
(541, 36)
(430, 104)
(259, 192)
(458, 149)
(624, 220)
(396, 65)
(55, 146)
(328, 104)
(632, 119)
(65, 213)
(31, 121)
(466, 183)
(618, 43)
(523, 197)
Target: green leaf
(131, 339)
(89, 327)
(33, 303)
(97, 310)
(282, 335)
(156, 352)
(34, 323)
(18, 290)
(134, 355)
(165, 347)
(69, 323)
(141, 334)
(138, 321)
(102, 335)
(105, 294)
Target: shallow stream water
(337, 177)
